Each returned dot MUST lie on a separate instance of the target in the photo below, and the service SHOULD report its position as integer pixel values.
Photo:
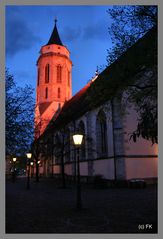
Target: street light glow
(29, 155)
(14, 159)
(77, 138)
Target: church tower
(54, 85)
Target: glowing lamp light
(77, 138)
(14, 159)
(29, 155)
(31, 163)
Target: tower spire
(54, 38)
(55, 20)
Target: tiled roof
(75, 105)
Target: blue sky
(82, 29)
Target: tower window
(46, 93)
(59, 74)
(68, 78)
(47, 69)
(38, 77)
(59, 93)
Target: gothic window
(68, 78)
(82, 148)
(67, 145)
(59, 93)
(101, 134)
(38, 77)
(47, 70)
(46, 93)
(59, 74)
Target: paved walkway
(47, 208)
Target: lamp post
(31, 169)
(77, 138)
(29, 155)
(13, 173)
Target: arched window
(46, 93)
(38, 77)
(59, 93)
(68, 78)
(67, 145)
(47, 71)
(59, 74)
(101, 134)
(82, 148)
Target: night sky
(82, 29)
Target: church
(98, 111)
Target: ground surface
(47, 208)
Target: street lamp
(13, 173)
(31, 169)
(77, 138)
(29, 156)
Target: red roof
(76, 98)
(71, 108)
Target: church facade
(98, 111)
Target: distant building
(97, 111)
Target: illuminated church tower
(53, 81)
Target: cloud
(18, 36)
(71, 34)
(96, 31)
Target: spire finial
(55, 20)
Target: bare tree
(19, 117)
(130, 23)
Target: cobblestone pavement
(48, 208)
